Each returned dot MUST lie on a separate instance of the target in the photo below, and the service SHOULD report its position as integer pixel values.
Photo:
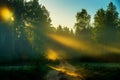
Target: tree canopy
(106, 23)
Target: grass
(92, 71)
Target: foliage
(64, 30)
(105, 22)
(82, 27)
(31, 22)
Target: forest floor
(92, 71)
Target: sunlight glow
(66, 71)
(84, 47)
(74, 43)
(6, 14)
(52, 55)
(12, 18)
(112, 49)
(65, 40)
(27, 0)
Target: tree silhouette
(82, 27)
(31, 21)
(105, 22)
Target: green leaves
(105, 23)
(82, 25)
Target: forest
(28, 39)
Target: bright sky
(63, 11)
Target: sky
(63, 11)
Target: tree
(111, 16)
(105, 22)
(119, 23)
(99, 25)
(82, 25)
(118, 32)
(31, 22)
(6, 50)
(99, 18)
(59, 29)
(38, 22)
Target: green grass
(92, 71)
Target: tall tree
(59, 29)
(39, 21)
(31, 22)
(83, 23)
(99, 23)
(105, 22)
(119, 22)
(111, 16)
(118, 33)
